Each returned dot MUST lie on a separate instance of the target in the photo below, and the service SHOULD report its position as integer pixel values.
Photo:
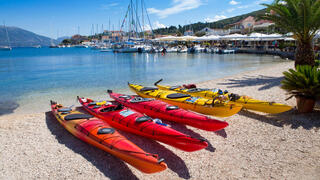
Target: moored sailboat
(8, 47)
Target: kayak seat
(174, 87)
(126, 97)
(149, 89)
(140, 99)
(233, 97)
(64, 110)
(112, 108)
(96, 106)
(92, 103)
(172, 108)
(77, 116)
(143, 119)
(197, 90)
(177, 95)
(106, 131)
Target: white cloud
(155, 25)
(177, 7)
(240, 8)
(230, 10)
(233, 2)
(282, 2)
(215, 18)
(108, 6)
(113, 4)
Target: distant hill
(214, 25)
(224, 22)
(23, 38)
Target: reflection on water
(29, 75)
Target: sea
(31, 77)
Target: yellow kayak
(245, 101)
(197, 104)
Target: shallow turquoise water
(29, 75)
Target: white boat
(199, 49)
(8, 47)
(127, 50)
(172, 50)
(214, 50)
(229, 51)
(5, 48)
(196, 49)
(148, 49)
(182, 50)
(127, 47)
(142, 48)
(96, 48)
(226, 51)
(106, 49)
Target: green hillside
(200, 25)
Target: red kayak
(162, 110)
(120, 117)
(98, 133)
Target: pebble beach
(254, 145)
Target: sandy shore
(254, 146)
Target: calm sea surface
(30, 77)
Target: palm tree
(302, 18)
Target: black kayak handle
(156, 83)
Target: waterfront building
(216, 32)
(249, 24)
(188, 33)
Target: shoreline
(251, 79)
(254, 145)
(24, 104)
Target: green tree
(199, 34)
(302, 18)
(179, 33)
(66, 41)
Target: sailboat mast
(131, 22)
(142, 16)
(129, 19)
(148, 19)
(136, 21)
(7, 34)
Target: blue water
(28, 75)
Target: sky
(56, 18)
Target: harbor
(89, 72)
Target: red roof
(262, 22)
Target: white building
(216, 32)
(188, 33)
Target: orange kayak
(98, 133)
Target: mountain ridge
(23, 38)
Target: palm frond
(304, 81)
